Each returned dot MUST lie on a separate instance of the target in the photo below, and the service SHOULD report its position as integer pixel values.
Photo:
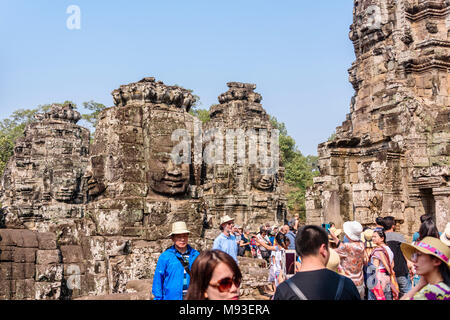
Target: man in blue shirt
(291, 236)
(226, 241)
(171, 280)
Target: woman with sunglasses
(215, 275)
(431, 258)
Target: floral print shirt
(438, 291)
(352, 261)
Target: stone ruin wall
(392, 154)
(89, 221)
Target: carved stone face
(64, 184)
(261, 181)
(166, 177)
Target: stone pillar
(442, 200)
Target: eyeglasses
(225, 284)
(415, 256)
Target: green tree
(299, 170)
(92, 117)
(201, 114)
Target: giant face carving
(62, 180)
(260, 180)
(165, 176)
(64, 184)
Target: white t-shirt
(278, 254)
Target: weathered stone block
(47, 290)
(74, 269)
(6, 253)
(23, 289)
(5, 289)
(46, 241)
(49, 273)
(6, 271)
(48, 256)
(29, 239)
(22, 271)
(71, 254)
(11, 237)
(24, 255)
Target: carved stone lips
(174, 182)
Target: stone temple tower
(391, 156)
(236, 185)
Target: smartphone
(290, 258)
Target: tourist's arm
(265, 245)
(408, 296)
(242, 243)
(335, 239)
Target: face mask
(346, 239)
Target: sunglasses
(415, 255)
(225, 284)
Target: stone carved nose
(173, 169)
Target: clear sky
(297, 52)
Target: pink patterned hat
(428, 245)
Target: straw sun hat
(335, 231)
(428, 245)
(445, 237)
(179, 228)
(334, 261)
(225, 219)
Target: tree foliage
(201, 114)
(299, 170)
(92, 117)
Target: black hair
(379, 221)
(425, 217)
(428, 229)
(389, 222)
(381, 233)
(445, 273)
(309, 239)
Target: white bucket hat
(225, 219)
(353, 230)
(445, 237)
(179, 228)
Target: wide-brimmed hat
(334, 261)
(179, 228)
(429, 245)
(353, 230)
(335, 231)
(225, 219)
(445, 236)
(366, 237)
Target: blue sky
(297, 52)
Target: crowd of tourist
(352, 263)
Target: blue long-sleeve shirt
(170, 274)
